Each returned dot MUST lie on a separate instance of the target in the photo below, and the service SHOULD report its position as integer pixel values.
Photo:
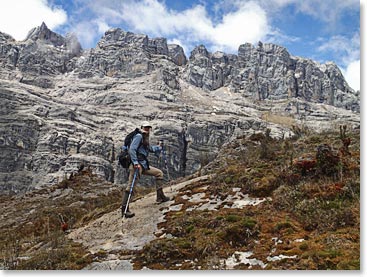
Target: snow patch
(242, 258)
(238, 200)
(198, 197)
(299, 240)
(174, 208)
(280, 257)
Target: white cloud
(102, 26)
(18, 17)
(86, 32)
(352, 74)
(327, 10)
(347, 53)
(345, 49)
(246, 23)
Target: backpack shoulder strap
(136, 132)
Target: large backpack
(124, 157)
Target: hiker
(139, 150)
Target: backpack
(124, 157)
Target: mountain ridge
(64, 106)
(117, 38)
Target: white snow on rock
(242, 258)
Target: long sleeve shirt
(139, 155)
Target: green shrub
(232, 218)
(248, 223)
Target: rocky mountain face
(63, 107)
(268, 71)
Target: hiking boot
(161, 197)
(128, 214)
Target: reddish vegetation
(64, 227)
(305, 164)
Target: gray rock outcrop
(270, 72)
(124, 54)
(41, 56)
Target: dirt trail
(111, 233)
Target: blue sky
(322, 30)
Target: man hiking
(139, 150)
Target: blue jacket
(139, 155)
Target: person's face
(146, 130)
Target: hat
(146, 124)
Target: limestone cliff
(62, 106)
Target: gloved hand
(137, 166)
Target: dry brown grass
(323, 210)
(32, 232)
(283, 120)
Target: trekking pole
(166, 163)
(131, 190)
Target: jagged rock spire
(44, 33)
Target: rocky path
(111, 234)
